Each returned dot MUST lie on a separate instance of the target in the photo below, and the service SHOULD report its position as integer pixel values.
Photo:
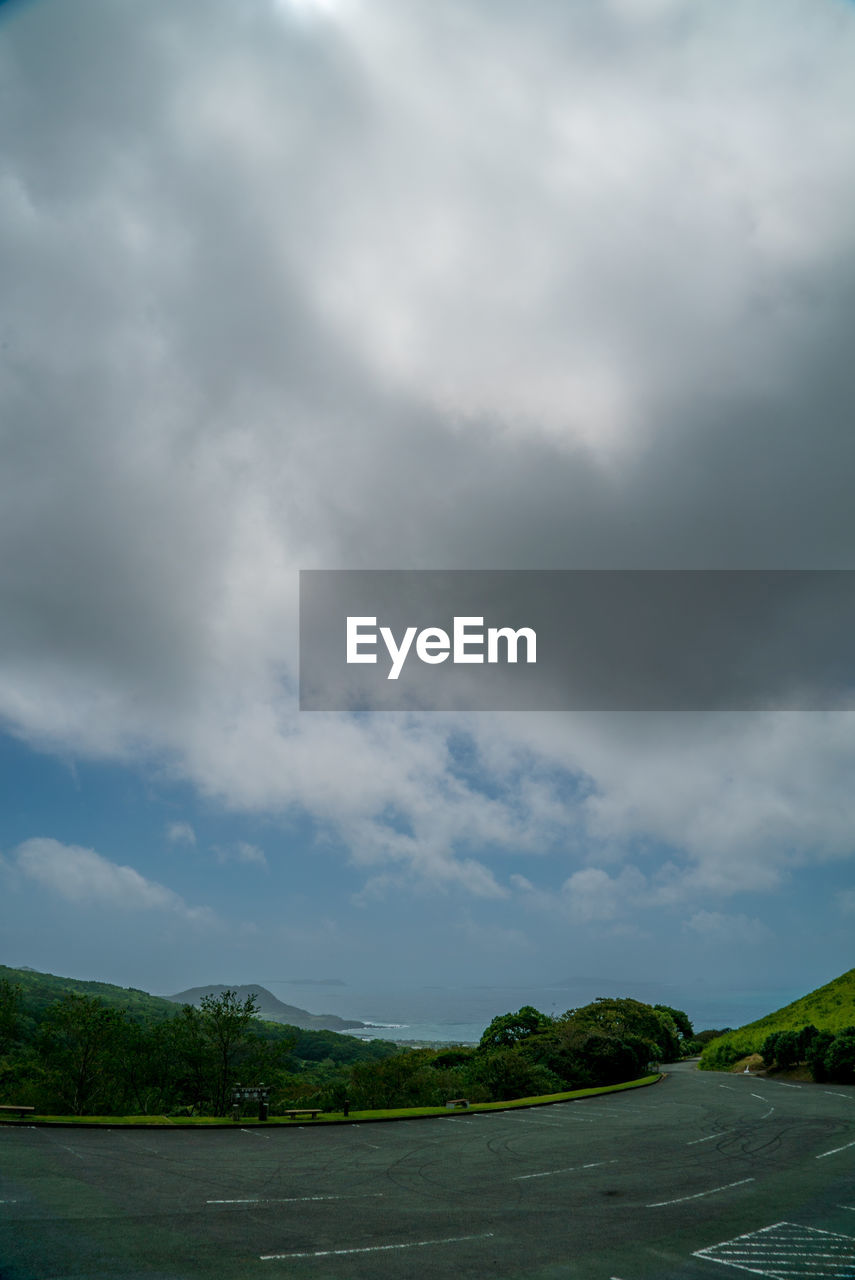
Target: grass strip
(333, 1117)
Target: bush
(816, 1054)
(840, 1057)
(720, 1056)
(787, 1049)
(506, 1073)
(769, 1048)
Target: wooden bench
(22, 1111)
(457, 1104)
(309, 1111)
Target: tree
(840, 1057)
(10, 1014)
(225, 1022)
(630, 1020)
(770, 1044)
(787, 1049)
(807, 1035)
(76, 1040)
(508, 1073)
(679, 1018)
(217, 1045)
(509, 1028)
(816, 1054)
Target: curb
(235, 1127)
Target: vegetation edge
(357, 1117)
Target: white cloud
(242, 851)
(455, 285)
(180, 833)
(593, 895)
(84, 877)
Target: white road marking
(835, 1151)
(552, 1172)
(786, 1250)
(757, 1095)
(368, 1195)
(15, 1202)
(766, 1114)
(534, 1120)
(373, 1248)
(253, 1134)
(699, 1194)
(695, 1141)
(727, 1086)
(783, 1084)
(848, 1096)
(553, 1124)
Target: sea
(445, 1014)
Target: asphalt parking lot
(703, 1175)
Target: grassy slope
(829, 1008)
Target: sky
(378, 284)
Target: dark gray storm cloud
(384, 285)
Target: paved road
(688, 1180)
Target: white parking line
(757, 1095)
(368, 1195)
(253, 1134)
(534, 1120)
(835, 1151)
(552, 1172)
(373, 1248)
(766, 1114)
(786, 1250)
(699, 1194)
(695, 1141)
(848, 1096)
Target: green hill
(311, 1044)
(39, 990)
(273, 1009)
(829, 1008)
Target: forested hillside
(86, 1049)
(69, 1046)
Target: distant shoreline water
(423, 1032)
(460, 1015)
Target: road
(702, 1176)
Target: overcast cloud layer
(385, 284)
